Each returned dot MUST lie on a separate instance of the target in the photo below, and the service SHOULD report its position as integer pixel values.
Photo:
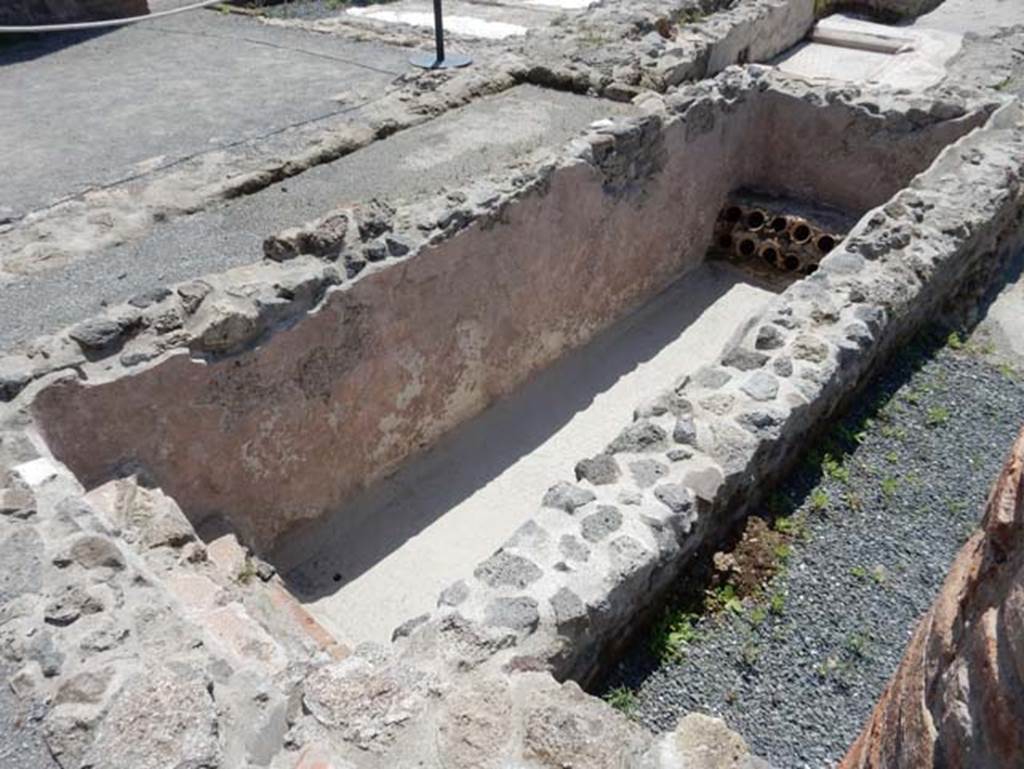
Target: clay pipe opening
(724, 241)
(779, 224)
(746, 245)
(756, 219)
(800, 231)
(770, 252)
(731, 214)
(825, 243)
(809, 269)
(791, 262)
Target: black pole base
(430, 61)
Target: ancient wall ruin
(290, 428)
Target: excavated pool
(347, 446)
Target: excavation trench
(521, 329)
(385, 558)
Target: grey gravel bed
(798, 684)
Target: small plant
(819, 500)
(750, 654)
(859, 572)
(837, 670)
(854, 501)
(673, 635)
(1007, 370)
(783, 552)
(889, 487)
(725, 598)
(879, 575)
(955, 341)
(622, 698)
(825, 667)
(893, 432)
(834, 469)
(937, 415)
(758, 615)
(857, 645)
(1003, 85)
(794, 526)
(777, 604)
(956, 506)
(246, 572)
(892, 457)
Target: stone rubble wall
(603, 547)
(121, 668)
(136, 645)
(957, 698)
(522, 271)
(620, 50)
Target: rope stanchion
(439, 60)
(84, 25)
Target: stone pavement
(94, 110)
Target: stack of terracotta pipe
(787, 242)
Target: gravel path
(925, 443)
(21, 736)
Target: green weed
(725, 598)
(834, 469)
(673, 635)
(889, 487)
(937, 415)
(819, 499)
(622, 698)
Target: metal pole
(438, 31)
(439, 60)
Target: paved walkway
(91, 110)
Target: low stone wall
(601, 549)
(246, 408)
(40, 12)
(599, 53)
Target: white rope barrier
(73, 27)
